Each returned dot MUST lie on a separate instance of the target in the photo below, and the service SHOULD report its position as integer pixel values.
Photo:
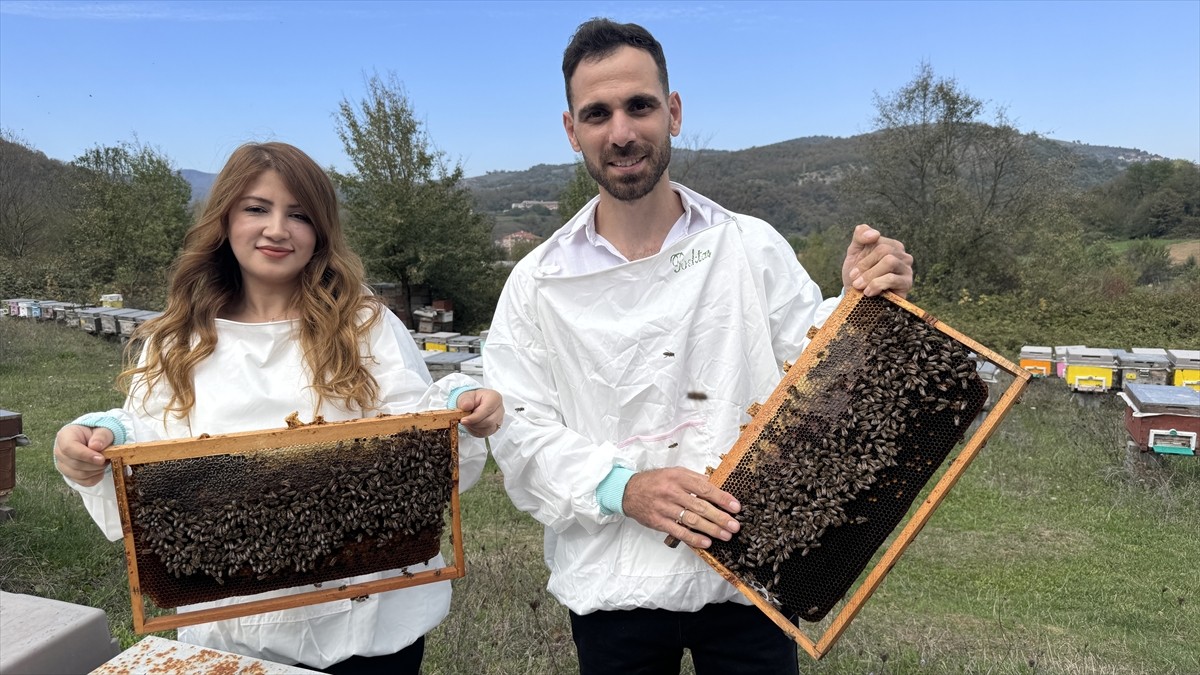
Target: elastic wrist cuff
(452, 399)
(109, 422)
(611, 492)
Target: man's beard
(632, 187)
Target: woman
(267, 314)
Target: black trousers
(724, 638)
(407, 661)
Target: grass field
(1055, 553)
(1179, 249)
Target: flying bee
(668, 354)
(697, 396)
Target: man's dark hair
(598, 38)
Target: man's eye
(593, 115)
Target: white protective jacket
(254, 379)
(596, 370)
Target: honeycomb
(237, 524)
(843, 450)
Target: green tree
(963, 195)
(821, 254)
(33, 198)
(1150, 260)
(521, 249)
(579, 191)
(1150, 199)
(132, 217)
(408, 214)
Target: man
(628, 346)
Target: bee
(697, 396)
(673, 445)
(668, 354)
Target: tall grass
(1055, 553)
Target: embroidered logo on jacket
(681, 261)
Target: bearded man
(629, 346)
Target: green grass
(1055, 553)
(1126, 244)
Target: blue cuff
(452, 399)
(610, 493)
(108, 422)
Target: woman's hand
(77, 453)
(487, 411)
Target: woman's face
(270, 234)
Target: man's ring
(679, 520)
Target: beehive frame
(126, 457)
(908, 528)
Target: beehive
(1090, 369)
(1144, 368)
(1037, 360)
(831, 463)
(1185, 366)
(240, 514)
(1161, 418)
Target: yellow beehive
(1090, 370)
(1186, 363)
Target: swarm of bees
(259, 522)
(847, 457)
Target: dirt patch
(1182, 251)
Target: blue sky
(196, 79)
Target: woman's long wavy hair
(206, 278)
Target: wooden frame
(123, 456)
(908, 529)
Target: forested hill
(792, 184)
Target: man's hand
(681, 503)
(875, 264)
(77, 453)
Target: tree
(821, 254)
(578, 192)
(687, 151)
(31, 198)
(131, 221)
(1150, 199)
(963, 195)
(408, 214)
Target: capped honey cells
(229, 525)
(849, 448)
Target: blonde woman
(267, 314)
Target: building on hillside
(530, 203)
(509, 240)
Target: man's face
(623, 122)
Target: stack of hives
(1099, 370)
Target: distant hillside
(201, 183)
(792, 184)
